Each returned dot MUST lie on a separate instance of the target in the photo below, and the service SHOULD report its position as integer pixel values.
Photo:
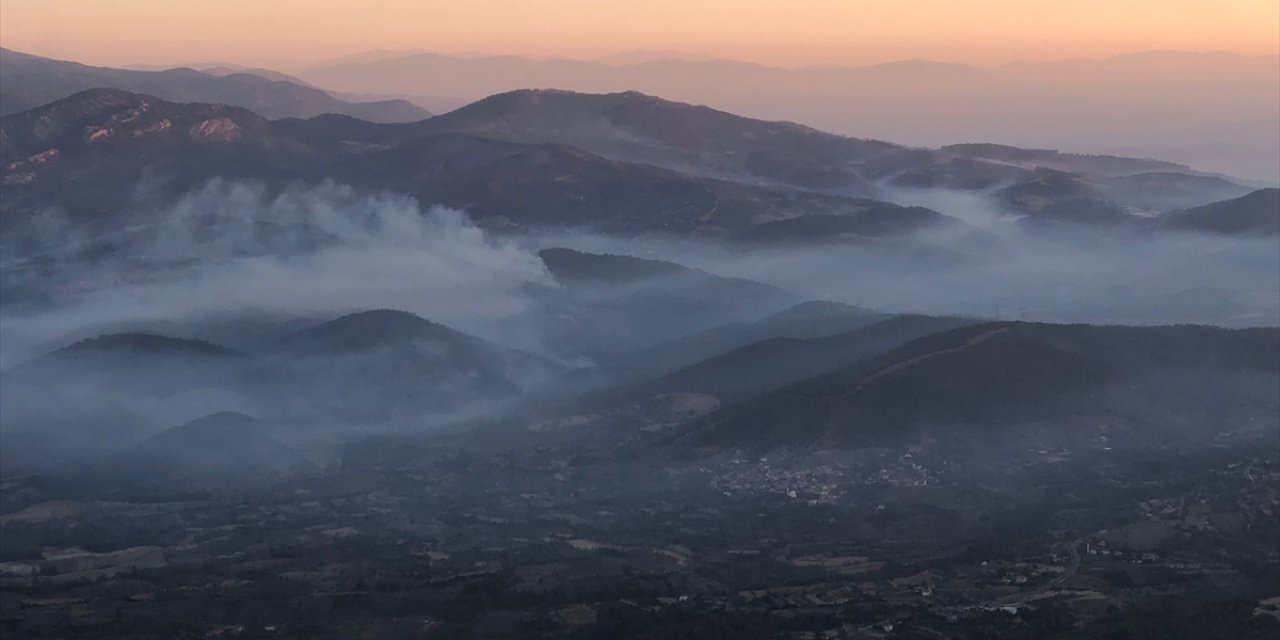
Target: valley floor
(445, 538)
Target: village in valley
(408, 535)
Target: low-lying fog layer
(1078, 276)
(1069, 274)
(318, 252)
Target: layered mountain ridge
(625, 163)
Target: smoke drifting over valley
(1066, 274)
(233, 248)
(237, 249)
(610, 366)
(236, 296)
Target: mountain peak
(573, 265)
(366, 329)
(217, 420)
(93, 110)
(143, 343)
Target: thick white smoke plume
(234, 247)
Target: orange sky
(284, 33)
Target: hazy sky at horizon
(287, 33)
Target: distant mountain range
(638, 127)
(623, 163)
(32, 81)
(1224, 120)
(84, 153)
